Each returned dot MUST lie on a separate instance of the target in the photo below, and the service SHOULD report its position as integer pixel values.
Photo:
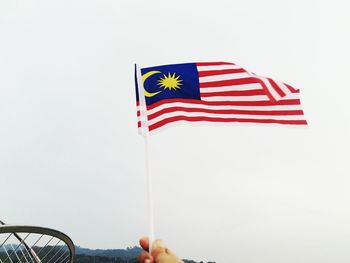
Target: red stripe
(229, 82)
(226, 103)
(138, 113)
(232, 111)
(219, 72)
(210, 119)
(252, 92)
(139, 124)
(137, 103)
(213, 63)
(276, 87)
(293, 90)
(268, 93)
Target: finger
(162, 254)
(158, 252)
(168, 258)
(144, 256)
(157, 248)
(158, 243)
(144, 243)
(169, 252)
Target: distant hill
(87, 255)
(128, 255)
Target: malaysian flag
(219, 92)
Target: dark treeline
(84, 255)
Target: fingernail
(147, 261)
(144, 239)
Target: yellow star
(170, 82)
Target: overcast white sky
(71, 158)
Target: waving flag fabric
(220, 92)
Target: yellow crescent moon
(146, 76)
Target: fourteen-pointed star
(170, 82)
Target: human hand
(159, 253)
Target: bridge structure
(34, 244)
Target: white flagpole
(150, 197)
(145, 134)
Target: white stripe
(214, 115)
(291, 96)
(237, 98)
(195, 105)
(283, 87)
(222, 107)
(219, 67)
(251, 86)
(224, 77)
(270, 88)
